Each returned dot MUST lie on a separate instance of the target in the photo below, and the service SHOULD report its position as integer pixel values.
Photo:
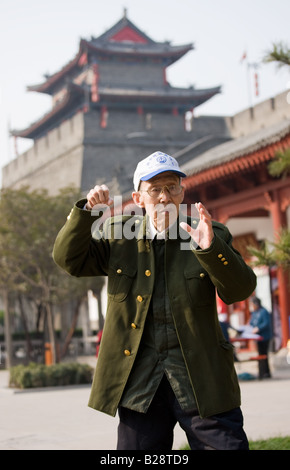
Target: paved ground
(59, 418)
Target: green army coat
(192, 277)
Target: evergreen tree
(280, 54)
(30, 221)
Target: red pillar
(95, 84)
(279, 221)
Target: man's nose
(164, 195)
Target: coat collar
(174, 232)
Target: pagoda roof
(123, 39)
(65, 108)
(52, 80)
(126, 39)
(125, 30)
(188, 97)
(238, 154)
(75, 96)
(162, 50)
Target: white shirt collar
(154, 233)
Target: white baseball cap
(156, 163)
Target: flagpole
(249, 66)
(254, 66)
(249, 84)
(248, 77)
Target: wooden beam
(242, 182)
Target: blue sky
(38, 37)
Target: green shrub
(37, 375)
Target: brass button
(119, 271)
(225, 263)
(223, 259)
(147, 272)
(127, 352)
(220, 255)
(139, 298)
(134, 326)
(201, 275)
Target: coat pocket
(199, 286)
(120, 280)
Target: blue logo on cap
(161, 159)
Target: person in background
(226, 326)
(261, 323)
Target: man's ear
(138, 200)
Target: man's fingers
(186, 227)
(203, 212)
(103, 193)
(99, 195)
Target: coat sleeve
(75, 250)
(234, 279)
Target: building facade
(234, 183)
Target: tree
(271, 253)
(30, 221)
(280, 54)
(280, 166)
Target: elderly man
(163, 358)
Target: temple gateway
(111, 106)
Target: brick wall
(264, 114)
(54, 161)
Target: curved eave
(74, 93)
(171, 54)
(200, 171)
(118, 98)
(49, 84)
(172, 97)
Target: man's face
(160, 197)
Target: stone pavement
(59, 418)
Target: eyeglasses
(173, 189)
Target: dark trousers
(154, 430)
(264, 369)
